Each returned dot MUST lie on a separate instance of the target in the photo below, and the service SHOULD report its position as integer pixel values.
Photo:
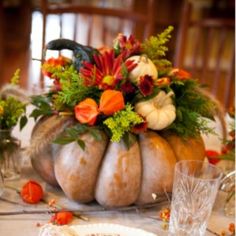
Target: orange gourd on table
(31, 192)
(62, 218)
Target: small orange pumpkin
(111, 101)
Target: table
(22, 225)
(18, 225)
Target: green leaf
(122, 122)
(72, 132)
(43, 106)
(129, 139)
(96, 134)
(36, 113)
(81, 143)
(11, 111)
(124, 70)
(16, 77)
(23, 122)
(63, 140)
(73, 89)
(80, 128)
(179, 114)
(154, 47)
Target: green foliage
(121, 122)
(52, 69)
(154, 47)
(43, 107)
(10, 112)
(129, 139)
(229, 156)
(73, 133)
(191, 108)
(73, 89)
(16, 77)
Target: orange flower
(52, 62)
(62, 218)
(86, 112)
(180, 74)
(111, 101)
(163, 81)
(32, 192)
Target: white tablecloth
(26, 225)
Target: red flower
(180, 74)
(126, 46)
(107, 72)
(127, 88)
(139, 128)
(31, 192)
(86, 112)
(213, 156)
(62, 218)
(146, 85)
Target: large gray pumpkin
(105, 171)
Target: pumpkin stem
(143, 58)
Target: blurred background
(203, 40)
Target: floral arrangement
(12, 109)
(124, 90)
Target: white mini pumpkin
(144, 67)
(159, 111)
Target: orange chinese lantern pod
(86, 112)
(212, 156)
(31, 192)
(111, 101)
(62, 218)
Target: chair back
(102, 19)
(97, 25)
(206, 48)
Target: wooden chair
(1, 39)
(142, 20)
(206, 48)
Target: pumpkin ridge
(49, 128)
